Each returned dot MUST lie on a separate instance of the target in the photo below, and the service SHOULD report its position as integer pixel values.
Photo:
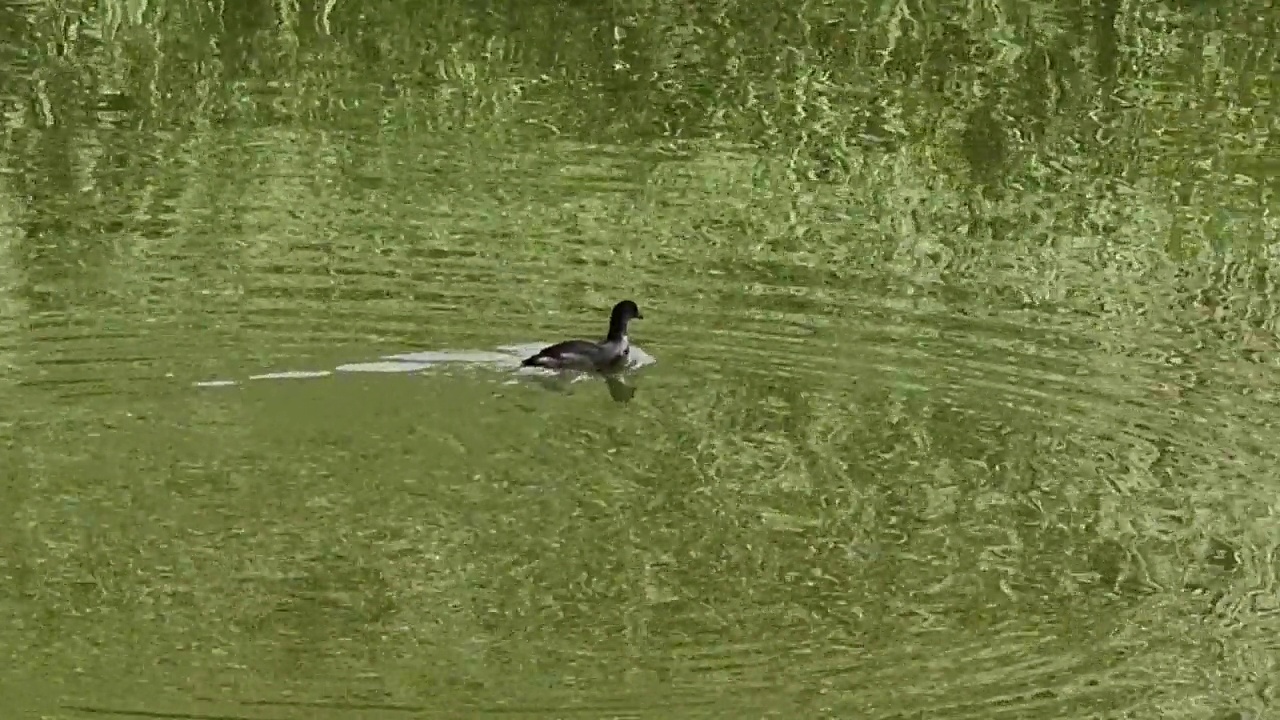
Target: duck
(607, 355)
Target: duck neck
(617, 331)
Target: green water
(964, 319)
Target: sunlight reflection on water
(508, 357)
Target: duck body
(608, 355)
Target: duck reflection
(619, 390)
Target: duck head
(623, 313)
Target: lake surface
(959, 384)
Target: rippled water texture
(954, 396)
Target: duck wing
(563, 354)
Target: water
(955, 394)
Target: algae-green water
(962, 319)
